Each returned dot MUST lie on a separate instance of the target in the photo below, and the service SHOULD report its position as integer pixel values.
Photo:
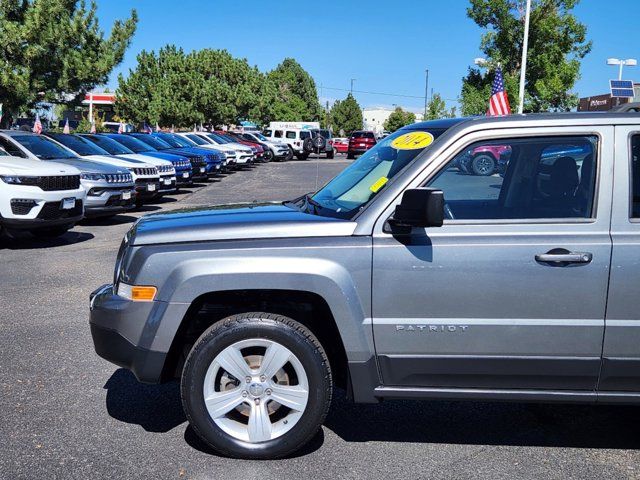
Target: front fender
(345, 288)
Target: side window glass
(635, 176)
(291, 134)
(278, 134)
(11, 149)
(535, 178)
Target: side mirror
(419, 207)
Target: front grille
(59, 182)
(166, 169)
(198, 161)
(145, 171)
(22, 207)
(118, 178)
(53, 211)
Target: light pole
(426, 90)
(631, 62)
(525, 47)
(352, 80)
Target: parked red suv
(258, 151)
(359, 142)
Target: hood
(236, 222)
(171, 157)
(27, 166)
(114, 160)
(147, 160)
(87, 166)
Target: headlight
(92, 176)
(17, 180)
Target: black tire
(302, 156)
(308, 145)
(350, 156)
(331, 154)
(483, 165)
(268, 155)
(289, 155)
(51, 232)
(283, 330)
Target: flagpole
(525, 47)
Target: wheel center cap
(256, 390)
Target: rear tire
(483, 165)
(302, 156)
(350, 156)
(276, 358)
(331, 154)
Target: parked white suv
(44, 198)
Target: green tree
(51, 50)
(437, 108)
(398, 119)
(345, 115)
(296, 96)
(557, 43)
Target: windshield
(356, 185)
(324, 133)
(197, 140)
(152, 141)
(132, 143)
(79, 145)
(173, 140)
(110, 145)
(43, 147)
(221, 138)
(259, 136)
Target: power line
(384, 93)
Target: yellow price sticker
(381, 182)
(413, 141)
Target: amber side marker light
(137, 293)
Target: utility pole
(426, 91)
(352, 80)
(525, 47)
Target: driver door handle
(564, 256)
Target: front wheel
(331, 154)
(256, 386)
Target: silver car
(402, 277)
(110, 189)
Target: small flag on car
(93, 127)
(146, 128)
(37, 126)
(172, 128)
(499, 101)
(66, 128)
(157, 127)
(121, 128)
(0, 112)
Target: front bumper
(108, 200)
(50, 214)
(117, 326)
(184, 177)
(167, 184)
(147, 187)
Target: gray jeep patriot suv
(403, 277)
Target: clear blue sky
(384, 45)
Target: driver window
(535, 178)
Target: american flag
(37, 126)
(499, 102)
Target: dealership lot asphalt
(65, 413)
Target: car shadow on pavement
(479, 423)
(28, 242)
(108, 221)
(156, 408)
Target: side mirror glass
(419, 207)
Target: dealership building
(605, 102)
(373, 118)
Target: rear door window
(278, 134)
(291, 135)
(635, 176)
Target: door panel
(468, 305)
(621, 350)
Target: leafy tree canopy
(557, 43)
(398, 119)
(345, 116)
(53, 50)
